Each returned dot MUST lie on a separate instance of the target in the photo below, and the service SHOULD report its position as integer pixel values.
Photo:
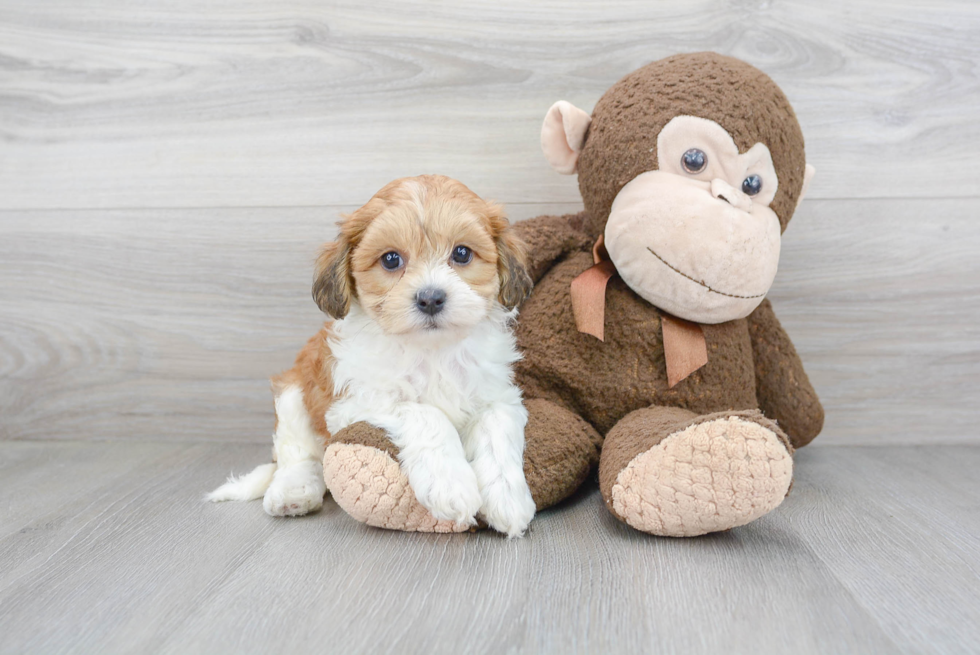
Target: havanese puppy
(422, 285)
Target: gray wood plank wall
(168, 170)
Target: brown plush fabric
(603, 381)
(637, 433)
(365, 434)
(782, 386)
(622, 140)
(549, 238)
(560, 449)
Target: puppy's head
(424, 255)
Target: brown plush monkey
(648, 338)
(690, 168)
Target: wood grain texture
(253, 103)
(882, 299)
(166, 324)
(876, 550)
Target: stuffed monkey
(649, 318)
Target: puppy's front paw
(507, 507)
(296, 489)
(450, 493)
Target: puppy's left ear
(515, 281)
(332, 288)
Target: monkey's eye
(752, 185)
(462, 255)
(391, 261)
(694, 160)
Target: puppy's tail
(245, 487)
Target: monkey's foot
(361, 470)
(716, 473)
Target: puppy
(423, 284)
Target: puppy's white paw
(507, 507)
(450, 492)
(296, 489)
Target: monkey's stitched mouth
(685, 275)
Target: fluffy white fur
(450, 406)
(292, 485)
(245, 487)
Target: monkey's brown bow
(685, 350)
(589, 293)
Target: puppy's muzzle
(430, 301)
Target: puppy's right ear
(331, 283)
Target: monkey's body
(690, 168)
(605, 380)
(619, 386)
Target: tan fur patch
(311, 372)
(422, 219)
(423, 222)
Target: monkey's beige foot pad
(369, 485)
(708, 477)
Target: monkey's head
(690, 168)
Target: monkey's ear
(563, 135)
(808, 172)
(331, 282)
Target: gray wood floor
(108, 547)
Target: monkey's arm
(782, 386)
(549, 238)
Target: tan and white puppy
(423, 284)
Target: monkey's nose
(725, 191)
(430, 301)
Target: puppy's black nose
(430, 301)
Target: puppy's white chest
(374, 373)
(446, 386)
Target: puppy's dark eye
(391, 261)
(462, 255)
(752, 185)
(694, 160)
